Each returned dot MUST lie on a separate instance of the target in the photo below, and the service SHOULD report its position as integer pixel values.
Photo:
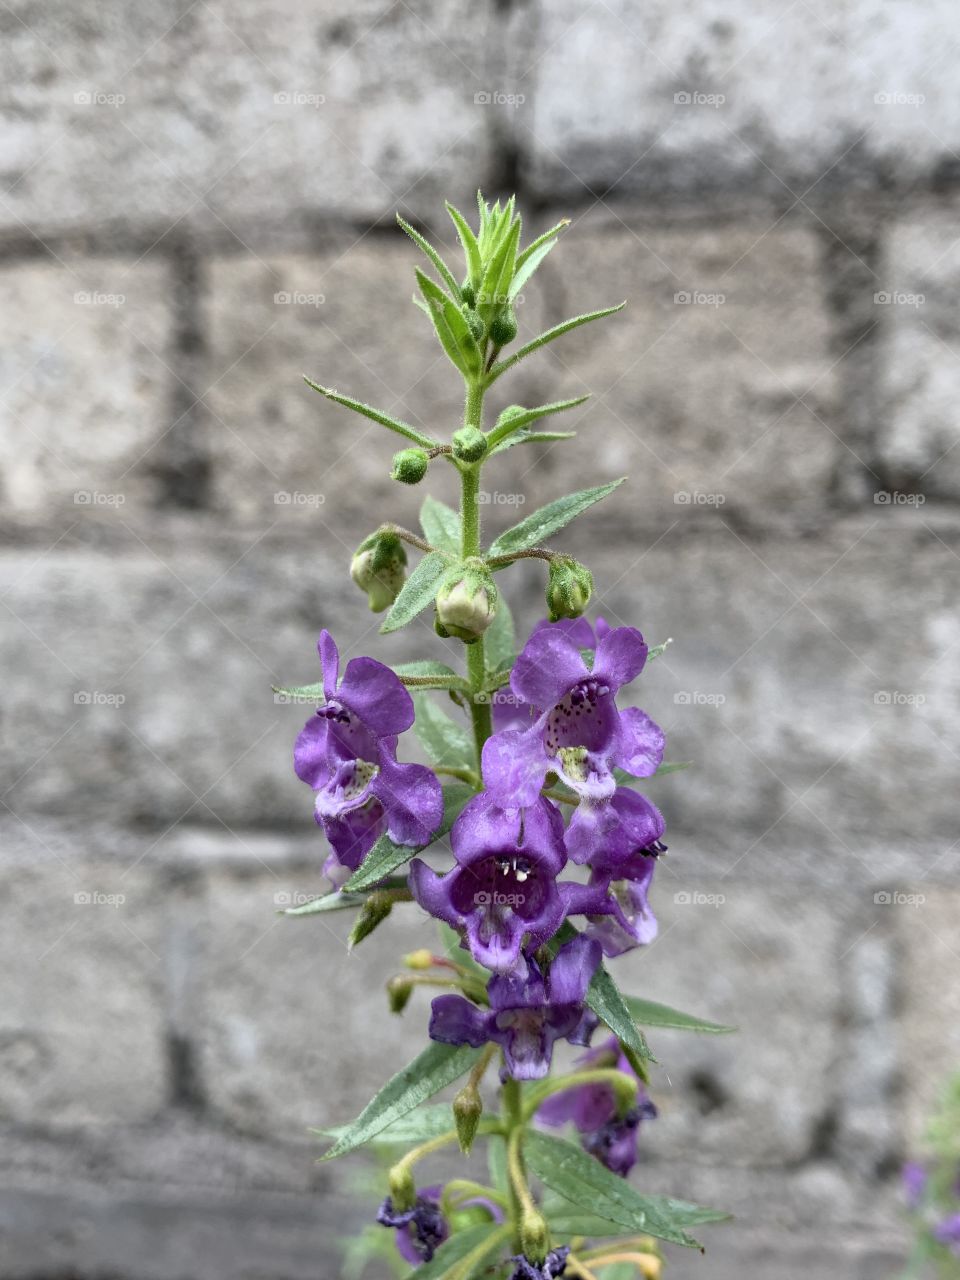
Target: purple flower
(947, 1233)
(578, 731)
(504, 886)
(592, 1108)
(553, 1265)
(527, 1014)
(420, 1230)
(348, 753)
(914, 1182)
(615, 900)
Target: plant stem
(511, 1105)
(470, 546)
(624, 1086)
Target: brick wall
(196, 208)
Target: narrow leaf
(385, 856)
(605, 1000)
(436, 1067)
(557, 331)
(425, 667)
(417, 592)
(651, 1014)
(471, 250)
(451, 326)
(429, 1121)
(548, 520)
(308, 693)
(446, 275)
(534, 245)
(522, 273)
(338, 901)
(508, 422)
(531, 437)
(500, 643)
(461, 1254)
(578, 1177)
(375, 415)
(447, 743)
(440, 524)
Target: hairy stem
(470, 546)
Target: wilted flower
(420, 1229)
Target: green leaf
(429, 1121)
(658, 650)
(451, 326)
(605, 1000)
(580, 1178)
(557, 331)
(417, 592)
(459, 1256)
(385, 856)
(447, 743)
(496, 279)
(548, 520)
(531, 437)
(471, 249)
(500, 647)
(436, 1067)
(311, 693)
(649, 1013)
(328, 902)
(523, 272)
(534, 245)
(509, 422)
(440, 524)
(431, 675)
(446, 275)
(375, 415)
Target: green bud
(569, 588)
(463, 1219)
(510, 412)
(379, 568)
(422, 959)
(409, 466)
(373, 912)
(467, 605)
(503, 328)
(469, 444)
(399, 991)
(534, 1236)
(467, 1110)
(403, 1189)
(475, 321)
(469, 294)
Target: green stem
(624, 1086)
(470, 544)
(512, 1107)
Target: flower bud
(399, 991)
(467, 1110)
(468, 293)
(466, 606)
(503, 328)
(379, 569)
(534, 1236)
(409, 466)
(569, 588)
(373, 912)
(469, 444)
(403, 1189)
(509, 413)
(422, 959)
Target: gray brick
(799, 90)
(234, 113)
(84, 373)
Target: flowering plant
(932, 1190)
(553, 850)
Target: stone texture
(84, 369)
(221, 114)
(734, 98)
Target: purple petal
(432, 892)
(354, 834)
(588, 1106)
(641, 743)
(572, 969)
(620, 656)
(484, 827)
(527, 1041)
(311, 752)
(412, 798)
(377, 695)
(454, 1020)
(517, 991)
(329, 663)
(515, 765)
(578, 630)
(495, 937)
(631, 822)
(549, 665)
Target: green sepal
(375, 415)
(432, 1070)
(548, 520)
(556, 332)
(447, 743)
(417, 593)
(578, 1177)
(386, 856)
(649, 1013)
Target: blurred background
(197, 207)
